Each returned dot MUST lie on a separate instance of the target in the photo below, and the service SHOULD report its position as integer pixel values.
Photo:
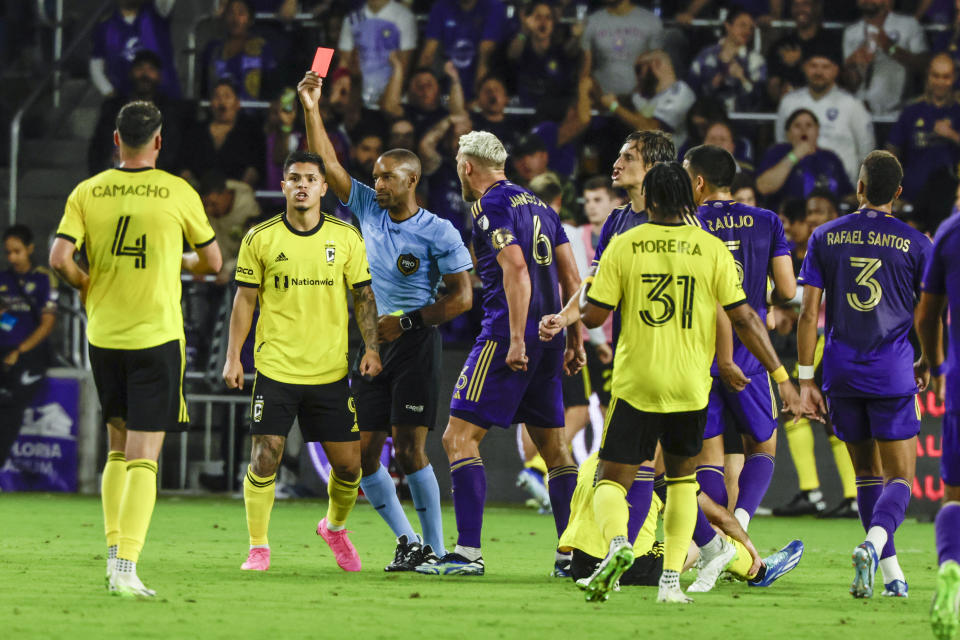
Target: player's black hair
(304, 156)
(137, 123)
(20, 231)
(667, 190)
(797, 113)
(213, 181)
(881, 174)
(826, 194)
(654, 146)
(714, 164)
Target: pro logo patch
(408, 264)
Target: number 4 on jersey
(137, 251)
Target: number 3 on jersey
(137, 250)
(868, 267)
(658, 294)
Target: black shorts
(645, 570)
(144, 387)
(595, 377)
(630, 436)
(406, 393)
(324, 411)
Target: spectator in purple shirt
(243, 57)
(543, 66)
(730, 69)
(795, 168)
(438, 152)
(467, 33)
(135, 25)
(926, 140)
(492, 100)
(424, 106)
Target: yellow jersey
(133, 223)
(302, 278)
(667, 280)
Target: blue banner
(44, 457)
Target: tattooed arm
(365, 310)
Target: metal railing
(53, 75)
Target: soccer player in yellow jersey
(299, 265)
(667, 279)
(132, 221)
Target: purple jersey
(509, 214)
(754, 236)
(870, 265)
(924, 152)
(117, 42)
(620, 219)
(942, 277)
(461, 32)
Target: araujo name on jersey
(285, 282)
(877, 239)
(729, 222)
(146, 190)
(667, 246)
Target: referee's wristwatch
(406, 323)
(412, 320)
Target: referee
(410, 250)
(132, 221)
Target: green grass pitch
(52, 566)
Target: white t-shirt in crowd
(615, 42)
(670, 107)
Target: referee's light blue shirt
(407, 259)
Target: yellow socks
(258, 495)
(111, 491)
(742, 562)
(610, 509)
(848, 477)
(136, 507)
(679, 520)
(800, 440)
(343, 495)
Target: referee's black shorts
(144, 387)
(630, 435)
(324, 411)
(406, 393)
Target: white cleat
(127, 584)
(111, 567)
(713, 565)
(672, 594)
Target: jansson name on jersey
(117, 190)
(667, 246)
(878, 239)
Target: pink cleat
(258, 560)
(343, 550)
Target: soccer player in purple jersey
(869, 265)
(941, 287)
(756, 239)
(524, 260)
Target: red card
(321, 61)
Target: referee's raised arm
(318, 141)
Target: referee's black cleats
(407, 556)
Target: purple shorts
(950, 446)
(753, 410)
(858, 419)
(489, 393)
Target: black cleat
(802, 505)
(846, 509)
(407, 556)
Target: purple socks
(869, 489)
(890, 510)
(638, 497)
(712, 482)
(469, 493)
(754, 481)
(562, 482)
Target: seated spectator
(438, 153)
(785, 68)
(145, 77)
(793, 214)
(560, 126)
(230, 205)
(283, 134)
(721, 134)
(367, 147)
(744, 189)
(822, 206)
(367, 38)
(544, 66)
(28, 300)
(793, 169)
(135, 25)
(401, 135)
(926, 139)
(465, 32)
(845, 125)
(492, 100)
(424, 107)
(880, 53)
(229, 141)
(531, 158)
(612, 39)
(661, 100)
(730, 70)
(243, 57)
